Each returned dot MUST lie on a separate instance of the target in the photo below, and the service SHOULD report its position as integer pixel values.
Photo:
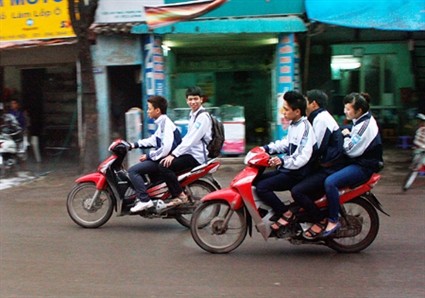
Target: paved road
(44, 254)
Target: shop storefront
(241, 55)
(371, 50)
(38, 63)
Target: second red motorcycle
(95, 196)
(223, 219)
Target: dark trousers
(136, 173)
(309, 190)
(179, 164)
(350, 176)
(270, 182)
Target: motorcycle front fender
(97, 178)
(229, 195)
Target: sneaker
(141, 206)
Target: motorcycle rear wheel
(210, 230)
(366, 214)
(77, 206)
(196, 191)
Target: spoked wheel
(220, 233)
(86, 212)
(196, 191)
(360, 225)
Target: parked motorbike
(416, 166)
(92, 200)
(221, 222)
(12, 145)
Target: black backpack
(217, 134)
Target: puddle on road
(14, 181)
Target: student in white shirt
(363, 146)
(192, 150)
(299, 148)
(330, 158)
(165, 139)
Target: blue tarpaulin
(405, 15)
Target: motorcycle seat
(375, 177)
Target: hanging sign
(34, 19)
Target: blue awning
(237, 25)
(404, 15)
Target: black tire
(98, 214)
(363, 212)
(196, 191)
(215, 237)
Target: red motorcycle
(221, 222)
(92, 200)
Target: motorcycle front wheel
(83, 211)
(359, 229)
(195, 191)
(217, 228)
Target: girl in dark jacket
(362, 144)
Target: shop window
(373, 74)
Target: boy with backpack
(192, 151)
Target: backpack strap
(200, 112)
(203, 141)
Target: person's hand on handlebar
(275, 161)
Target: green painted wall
(403, 77)
(392, 113)
(241, 81)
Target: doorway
(50, 97)
(250, 89)
(125, 91)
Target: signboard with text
(287, 75)
(108, 11)
(127, 11)
(34, 19)
(153, 76)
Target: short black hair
(195, 90)
(318, 96)
(296, 101)
(358, 100)
(160, 102)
